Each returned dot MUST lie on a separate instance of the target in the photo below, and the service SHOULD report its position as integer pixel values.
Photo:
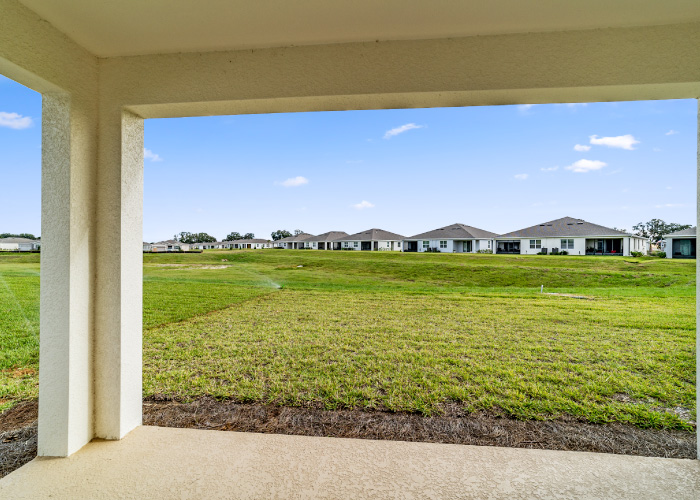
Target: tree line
(186, 237)
(29, 236)
(656, 229)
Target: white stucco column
(65, 357)
(118, 266)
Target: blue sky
(499, 168)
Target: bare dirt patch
(484, 429)
(17, 436)
(570, 295)
(19, 416)
(18, 428)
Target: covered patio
(604, 246)
(104, 67)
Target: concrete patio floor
(156, 462)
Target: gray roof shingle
(17, 240)
(373, 235)
(329, 236)
(564, 227)
(455, 231)
(298, 237)
(691, 231)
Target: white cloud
(621, 141)
(584, 166)
(672, 132)
(362, 205)
(525, 108)
(549, 169)
(521, 177)
(294, 181)
(582, 147)
(400, 130)
(671, 205)
(14, 120)
(150, 155)
(669, 187)
(657, 150)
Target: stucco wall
(38, 56)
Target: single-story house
(325, 241)
(169, 246)
(19, 244)
(457, 238)
(252, 243)
(681, 244)
(575, 236)
(147, 247)
(210, 245)
(293, 242)
(372, 239)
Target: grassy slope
(413, 332)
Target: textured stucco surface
(130, 27)
(38, 56)
(187, 463)
(118, 304)
(658, 62)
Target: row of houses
(19, 244)
(178, 246)
(574, 236)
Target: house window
(355, 244)
(443, 243)
(489, 243)
(567, 244)
(426, 244)
(398, 245)
(535, 243)
(345, 244)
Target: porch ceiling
(133, 27)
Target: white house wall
(454, 245)
(637, 245)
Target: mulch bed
(18, 428)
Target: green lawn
(401, 332)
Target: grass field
(401, 332)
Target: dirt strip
(482, 428)
(18, 428)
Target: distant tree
(655, 229)
(297, 232)
(280, 233)
(618, 229)
(21, 235)
(234, 236)
(203, 238)
(186, 237)
(248, 236)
